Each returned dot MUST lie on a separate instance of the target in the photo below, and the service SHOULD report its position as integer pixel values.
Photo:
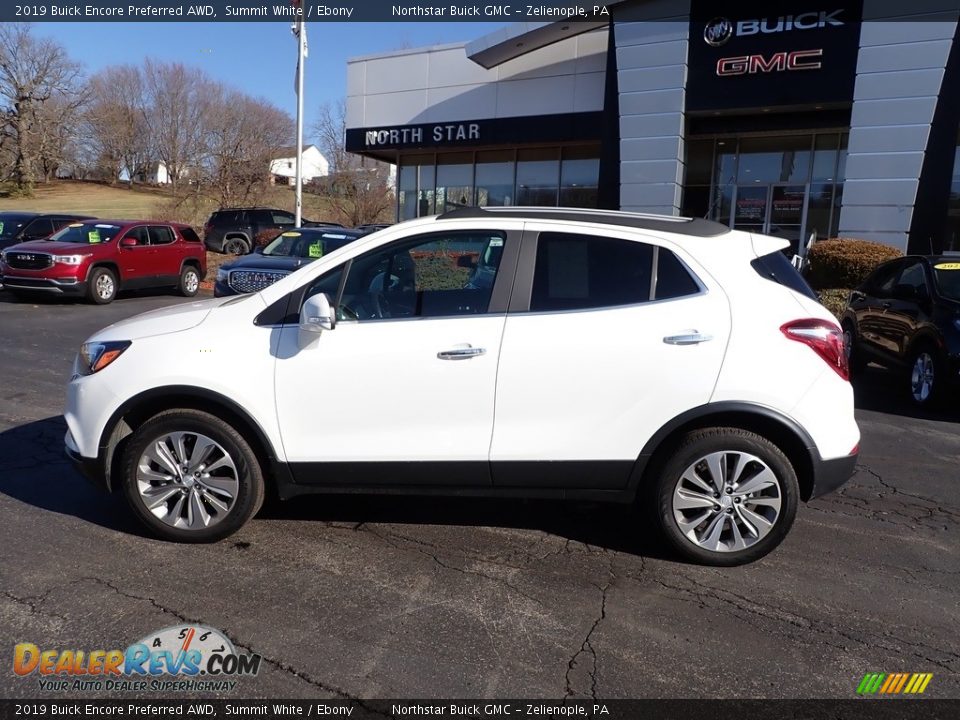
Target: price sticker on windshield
(315, 250)
(947, 266)
(291, 234)
(93, 236)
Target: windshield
(87, 233)
(947, 275)
(306, 244)
(10, 224)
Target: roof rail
(695, 227)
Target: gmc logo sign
(778, 62)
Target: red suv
(98, 258)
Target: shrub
(845, 263)
(834, 300)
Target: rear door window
(189, 234)
(161, 235)
(581, 272)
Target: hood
(256, 261)
(175, 318)
(54, 248)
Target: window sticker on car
(1, 227)
(331, 236)
(105, 227)
(93, 236)
(315, 250)
(947, 266)
(291, 234)
(76, 225)
(496, 242)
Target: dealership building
(833, 117)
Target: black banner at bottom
(874, 709)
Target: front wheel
(102, 286)
(725, 496)
(191, 477)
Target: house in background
(283, 169)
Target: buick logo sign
(718, 31)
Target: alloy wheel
(191, 283)
(922, 377)
(727, 501)
(187, 480)
(105, 287)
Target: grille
(29, 261)
(248, 281)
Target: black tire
(855, 357)
(697, 445)
(249, 475)
(932, 396)
(189, 281)
(102, 286)
(236, 246)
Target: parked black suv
(237, 231)
(906, 316)
(18, 227)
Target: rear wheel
(191, 477)
(102, 286)
(236, 246)
(189, 281)
(725, 496)
(926, 376)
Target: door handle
(463, 353)
(690, 337)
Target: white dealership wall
(441, 84)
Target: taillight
(824, 337)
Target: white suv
(510, 352)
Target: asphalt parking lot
(406, 598)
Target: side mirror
(316, 315)
(466, 261)
(128, 242)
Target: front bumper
(47, 286)
(829, 475)
(222, 289)
(90, 468)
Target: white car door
(401, 391)
(602, 353)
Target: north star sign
(447, 133)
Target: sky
(258, 58)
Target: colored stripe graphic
(894, 683)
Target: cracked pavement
(351, 597)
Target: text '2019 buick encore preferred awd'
(511, 352)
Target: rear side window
(579, 272)
(189, 234)
(161, 235)
(230, 217)
(779, 269)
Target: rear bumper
(46, 286)
(828, 475)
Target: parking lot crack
(587, 650)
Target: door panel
(136, 263)
(168, 254)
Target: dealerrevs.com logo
(181, 658)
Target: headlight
(95, 356)
(222, 275)
(70, 259)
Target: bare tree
(243, 135)
(39, 84)
(176, 107)
(116, 129)
(358, 190)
